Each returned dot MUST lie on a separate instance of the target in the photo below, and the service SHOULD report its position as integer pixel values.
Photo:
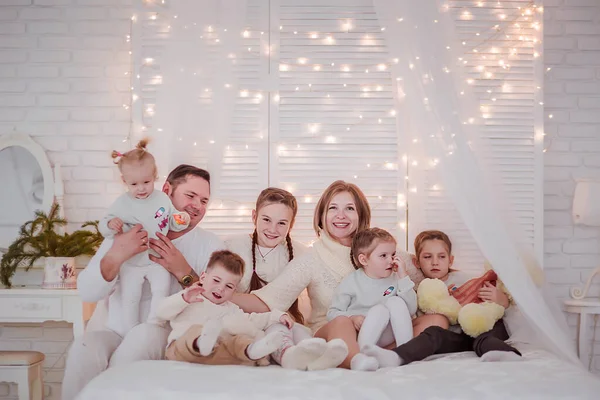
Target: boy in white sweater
(378, 297)
(209, 329)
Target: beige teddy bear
(473, 318)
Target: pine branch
(38, 238)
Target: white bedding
(459, 376)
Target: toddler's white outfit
(156, 214)
(387, 304)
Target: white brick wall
(51, 338)
(62, 65)
(572, 97)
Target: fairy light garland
(517, 27)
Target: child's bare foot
(386, 358)
(265, 346)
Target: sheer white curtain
(446, 123)
(195, 103)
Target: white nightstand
(34, 304)
(585, 307)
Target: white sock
(363, 362)
(385, 358)
(264, 346)
(492, 356)
(334, 354)
(208, 338)
(299, 356)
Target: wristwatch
(186, 280)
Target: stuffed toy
(462, 304)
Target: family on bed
(236, 302)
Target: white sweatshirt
(358, 293)
(183, 315)
(196, 246)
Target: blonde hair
(267, 197)
(364, 242)
(362, 205)
(138, 156)
(431, 235)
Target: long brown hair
(267, 197)
(362, 205)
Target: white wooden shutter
(510, 99)
(315, 105)
(334, 117)
(244, 168)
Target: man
(184, 254)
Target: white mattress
(457, 376)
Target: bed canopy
(202, 78)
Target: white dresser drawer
(31, 307)
(35, 305)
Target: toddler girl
(151, 208)
(378, 297)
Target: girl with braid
(268, 250)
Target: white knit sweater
(320, 269)
(270, 268)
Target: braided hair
(267, 197)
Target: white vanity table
(30, 183)
(33, 304)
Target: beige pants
(229, 350)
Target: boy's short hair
(365, 241)
(228, 260)
(431, 235)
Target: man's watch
(186, 280)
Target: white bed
(457, 376)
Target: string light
(488, 71)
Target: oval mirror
(26, 184)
